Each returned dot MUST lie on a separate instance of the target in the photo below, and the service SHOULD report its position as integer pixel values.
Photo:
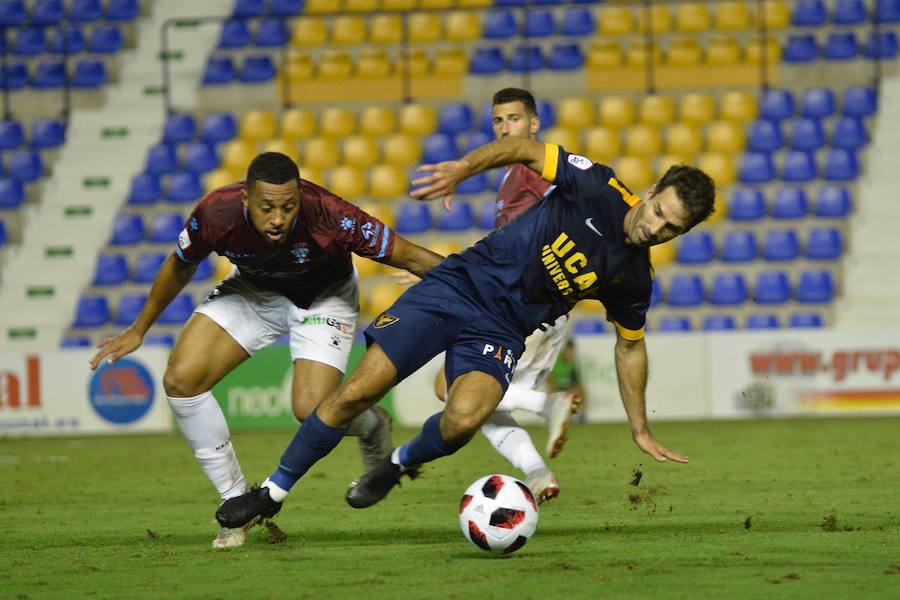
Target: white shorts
(541, 350)
(255, 318)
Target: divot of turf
(276, 535)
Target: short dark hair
(272, 167)
(507, 95)
(695, 188)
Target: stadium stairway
(42, 277)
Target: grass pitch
(800, 508)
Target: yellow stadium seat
(218, 178)
(320, 153)
(616, 111)
(656, 110)
(684, 52)
(319, 6)
(615, 20)
(360, 151)
(604, 54)
(373, 63)
(348, 30)
(662, 254)
(563, 136)
(415, 61)
(692, 17)
(603, 144)
(578, 113)
(237, 155)
(297, 123)
(402, 149)
(347, 182)
(755, 50)
(385, 29)
(639, 52)
(365, 267)
(738, 107)
(474, 3)
(450, 62)
(720, 209)
(377, 121)
(436, 3)
(312, 174)
(723, 50)
(697, 108)
(383, 296)
(718, 166)
(462, 26)
(683, 140)
(725, 137)
(387, 182)
(285, 147)
(257, 125)
(334, 64)
(398, 4)
(666, 161)
(337, 122)
(424, 28)
(420, 119)
(732, 16)
(776, 13)
(360, 5)
(299, 66)
(660, 19)
(635, 173)
(380, 210)
(308, 32)
(642, 140)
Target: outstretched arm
(413, 258)
(171, 279)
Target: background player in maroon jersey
(291, 243)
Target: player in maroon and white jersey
(291, 243)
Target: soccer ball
(498, 513)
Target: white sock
(203, 426)
(275, 493)
(362, 424)
(523, 398)
(512, 442)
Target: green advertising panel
(257, 394)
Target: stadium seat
(129, 308)
(757, 167)
(499, 25)
(106, 39)
(47, 134)
(818, 103)
(643, 140)
(486, 216)
(402, 150)
(566, 57)
(728, 289)
(723, 50)
(799, 166)
(419, 119)
(12, 135)
(800, 48)
(387, 181)
(49, 75)
(683, 52)
(147, 265)
(849, 133)
(738, 107)
(696, 248)
(75, 341)
(145, 189)
(475, 139)
(25, 165)
(85, 11)
(807, 134)
(219, 70)
(805, 320)
(738, 246)
(686, 290)
(178, 311)
(575, 112)
(840, 45)
(122, 11)
(615, 20)
(439, 147)
(860, 101)
(887, 11)
(460, 217)
(604, 54)
(166, 227)
(449, 62)
(159, 339)
(272, 33)
(635, 172)
(790, 203)
(487, 60)
(91, 311)
(219, 127)
(385, 29)
(771, 287)
(161, 159)
(347, 182)
(762, 321)
(67, 41)
(14, 76)
(218, 178)
(475, 184)
(692, 17)
(111, 269)
(29, 41)
(672, 324)
(200, 157)
(841, 165)
(348, 30)
(47, 12)
(731, 16)
(424, 28)
(718, 166)
(824, 243)
(12, 193)
(809, 13)
(204, 270)
(257, 69)
(308, 32)
(462, 26)
(237, 155)
(848, 12)
(184, 187)
(128, 229)
(89, 74)
(602, 144)
(257, 125)
(360, 151)
(455, 117)
(815, 287)
(655, 291)
(764, 136)
(832, 202)
(297, 124)
(588, 327)
(722, 136)
(526, 59)
(881, 45)
(577, 22)
(777, 105)
(179, 128)
(539, 23)
(781, 245)
(656, 110)
(696, 108)
(616, 111)
(718, 323)
(685, 141)
(413, 217)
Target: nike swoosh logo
(591, 225)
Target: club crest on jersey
(301, 252)
(385, 320)
(580, 162)
(347, 224)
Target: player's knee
(303, 406)
(440, 387)
(460, 425)
(179, 383)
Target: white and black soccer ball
(498, 513)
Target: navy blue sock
(312, 442)
(428, 445)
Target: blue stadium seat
(588, 327)
(49, 75)
(47, 134)
(686, 290)
(85, 11)
(248, 8)
(147, 265)
(159, 339)
(111, 269)
(578, 21)
(2, 233)
(747, 204)
(815, 287)
(14, 76)
(565, 57)
(122, 11)
(178, 311)
(762, 321)
(179, 128)
(780, 245)
(841, 165)
(12, 12)
(764, 136)
(818, 103)
(881, 45)
(205, 270)
(235, 33)
(475, 139)
(75, 341)
(439, 147)
(547, 113)
(799, 166)
(487, 60)
(166, 227)
(412, 217)
(805, 320)
(487, 216)
(539, 23)
(12, 193)
(476, 184)
(67, 40)
(809, 13)
(257, 69)
(739, 246)
(219, 127)
(130, 306)
(887, 11)
(30, 41)
(849, 133)
(285, 8)
(219, 70)
(771, 287)
(860, 101)
(106, 39)
(499, 25)
(47, 12)
(200, 157)
(25, 165)
(459, 218)
(718, 323)
(841, 45)
(486, 120)
(455, 117)
(184, 187)
(776, 105)
(670, 324)
(833, 202)
(696, 247)
(790, 203)
(526, 59)
(728, 289)
(161, 159)
(128, 229)
(145, 189)
(757, 167)
(848, 12)
(91, 311)
(89, 74)
(807, 134)
(824, 243)
(655, 292)
(800, 48)
(12, 135)
(272, 33)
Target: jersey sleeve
(353, 229)
(193, 242)
(628, 315)
(574, 172)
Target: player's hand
(441, 181)
(651, 446)
(405, 278)
(114, 348)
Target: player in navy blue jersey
(588, 239)
(291, 243)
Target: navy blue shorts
(432, 317)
